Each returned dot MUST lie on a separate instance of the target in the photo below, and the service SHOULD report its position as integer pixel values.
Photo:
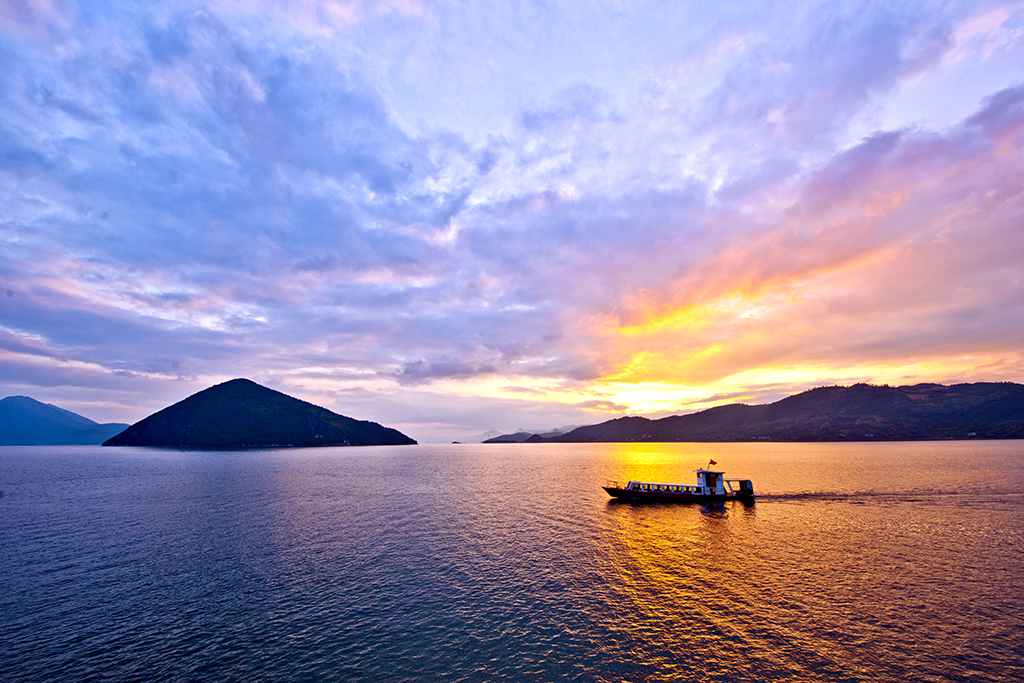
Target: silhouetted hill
(25, 421)
(861, 412)
(241, 414)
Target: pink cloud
(323, 17)
(905, 248)
(41, 20)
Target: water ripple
(469, 564)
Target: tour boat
(711, 485)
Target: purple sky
(451, 217)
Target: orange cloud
(899, 260)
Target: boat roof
(705, 471)
(660, 483)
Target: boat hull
(672, 497)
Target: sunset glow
(451, 218)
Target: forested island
(243, 414)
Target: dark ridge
(862, 412)
(243, 414)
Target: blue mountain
(25, 421)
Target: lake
(857, 562)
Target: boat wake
(862, 497)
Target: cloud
(322, 17)
(421, 370)
(341, 195)
(41, 21)
(202, 210)
(901, 248)
(799, 92)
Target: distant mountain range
(861, 412)
(449, 439)
(25, 421)
(523, 435)
(242, 414)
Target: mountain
(986, 410)
(25, 421)
(522, 435)
(241, 414)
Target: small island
(243, 414)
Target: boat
(711, 485)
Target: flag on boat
(712, 462)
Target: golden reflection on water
(680, 573)
(850, 555)
(660, 462)
(674, 568)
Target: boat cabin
(715, 484)
(709, 484)
(645, 487)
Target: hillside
(25, 421)
(241, 414)
(857, 413)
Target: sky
(451, 217)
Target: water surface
(858, 562)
